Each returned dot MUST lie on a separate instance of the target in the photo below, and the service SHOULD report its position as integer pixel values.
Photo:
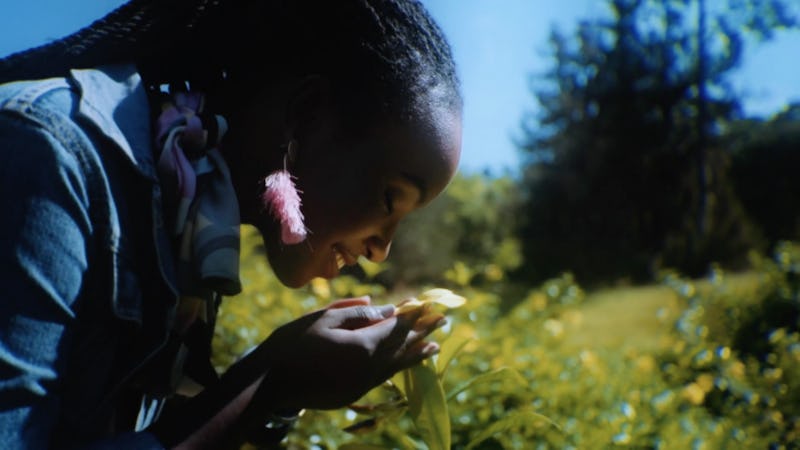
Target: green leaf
(503, 373)
(427, 406)
(443, 297)
(439, 296)
(399, 382)
(516, 419)
(449, 350)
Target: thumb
(346, 302)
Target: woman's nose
(379, 244)
(378, 249)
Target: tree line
(639, 159)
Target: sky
(497, 44)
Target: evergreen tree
(623, 171)
(765, 159)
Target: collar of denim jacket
(114, 99)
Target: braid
(57, 57)
(414, 46)
(391, 49)
(126, 34)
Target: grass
(636, 318)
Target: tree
(623, 169)
(764, 164)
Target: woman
(130, 160)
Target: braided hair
(385, 50)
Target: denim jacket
(87, 290)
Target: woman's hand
(331, 357)
(326, 359)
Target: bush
(726, 376)
(746, 349)
(473, 221)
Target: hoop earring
(282, 199)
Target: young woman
(133, 150)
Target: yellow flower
(706, 382)
(694, 394)
(737, 369)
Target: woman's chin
(295, 265)
(287, 273)
(291, 280)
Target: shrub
(726, 376)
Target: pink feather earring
(282, 199)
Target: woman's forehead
(426, 156)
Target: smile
(339, 259)
(343, 257)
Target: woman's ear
(308, 106)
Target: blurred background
(622, 227)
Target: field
(638, 317)
(684, 364)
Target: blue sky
(497, 45)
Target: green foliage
(473, 221)
(427, 405)
(764, 156)
(739, 358)
(624, 171)
(725, 372)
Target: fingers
(405, 345)
(419, 324)
(397, 340)
(396, 337)
(393, 332)
(360, 316)
(399, 333)
(416, 354)
(429, 322)
(364, 300)
(404, 301)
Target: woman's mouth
(343, 257)
(340, 261)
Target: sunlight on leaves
(452, 346)
(427, 405)
(696, 384)
(505, 374)
(515, 419)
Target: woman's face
(356, 191)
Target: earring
(282, 199)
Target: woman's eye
(388, 201)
